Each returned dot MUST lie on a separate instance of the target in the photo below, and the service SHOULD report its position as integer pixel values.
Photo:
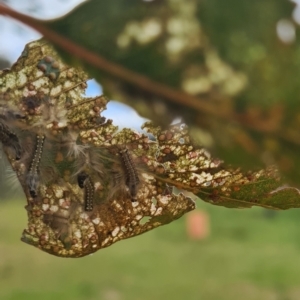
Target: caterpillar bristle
(70, 141)
(10, 140)
(9, 112)
(89, 161)
(8, 177)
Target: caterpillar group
(127, 177)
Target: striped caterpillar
(34, 168)
(85, 181)
(132, 179)
(88, 165)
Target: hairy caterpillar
(10, 139)
(88, 168)
(132, 179)
(89, 194)
(8, 177)
(34, 168)
(85, 181)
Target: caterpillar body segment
(33, 176)
(85, 182)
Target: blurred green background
(250, 254)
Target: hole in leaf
(145, 220)
(181, 141)
(154, 201)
